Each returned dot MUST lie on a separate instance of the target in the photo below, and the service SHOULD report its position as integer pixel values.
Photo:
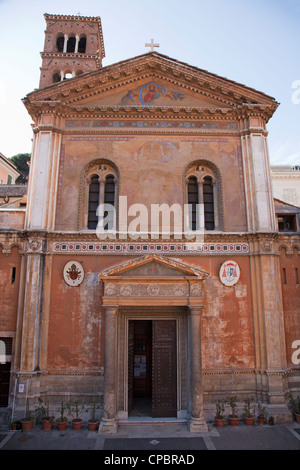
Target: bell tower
(73, 46)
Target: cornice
(284, 176)
(68, 111)
(152, 65)
(69, 55)
(86, 235)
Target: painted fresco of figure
(151, 95)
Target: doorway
(152, 368)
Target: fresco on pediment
(151, 94)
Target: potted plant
(93, 421)
(27, 421)
(271, 420)
(295, 404)
(247, 414)
(233, 417)
(62, 419)
(261, 410)
(220, 415)
(43, 415)
(76, 408)
(13, 426)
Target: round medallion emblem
(73, 273)
(229, 273)
(153, 289)
(110, 289)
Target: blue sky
(255, 43)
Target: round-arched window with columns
(99, 187)
(203, 194)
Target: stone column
(76, 44)
(197, 422)
(65, 43)
(109, 424)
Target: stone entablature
(85, 243)
(153, 280)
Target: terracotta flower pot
(76, 424)
(26, 425)
(261, 420)
(92, 425)
(46, 424)
(61, 425)
(297, 416)
(249, 421)
(233, 421)
(219, 423)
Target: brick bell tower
(73, 46)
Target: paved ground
(156, 439)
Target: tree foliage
(20, 161)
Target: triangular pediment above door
(153, 266)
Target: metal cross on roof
(152, 45)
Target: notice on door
(139, 366)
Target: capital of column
(196, 309)
(111, 309)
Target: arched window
(101, 197)
(60, 42)
(208, 200)
(56, 77)
(93, 202)
(82, 45)
(71, 44)
(109, 198)
(203, 194)
(193, 201)
(67, 75)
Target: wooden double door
(152, 365)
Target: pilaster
(270, 350)
(43, 182)
(32, 306)
(258, 185)
(197, 422)
(108, 423)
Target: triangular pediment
(153, 266)
(151, 80)
(152, 92)
(285, 206)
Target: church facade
(150, 270)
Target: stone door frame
(135, 286)
(127, 314)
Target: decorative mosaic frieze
(141, 124)
(115, 248)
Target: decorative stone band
(114, 248)
(152, 290)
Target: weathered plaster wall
(9, 291)
(76, 322)
(291, 299)
(161, 162)
(227, 322)
(76, 319)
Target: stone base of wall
(88, 387)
